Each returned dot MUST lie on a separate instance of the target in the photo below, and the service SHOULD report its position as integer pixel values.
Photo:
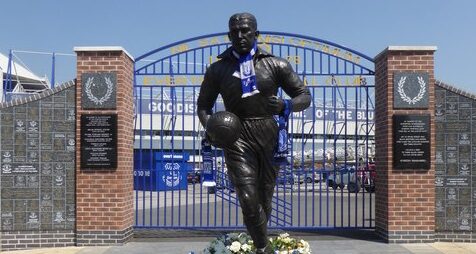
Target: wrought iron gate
(328, 182)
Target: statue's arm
(207, 96)
(294, 87)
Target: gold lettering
(146, 81)
(310, 81)
(318, 45)
(196, 80)
(357, 59)
(348, 56)
(271, 39)
(260, 38)
(335, 51)
(179, 48)
(293, 41)
(203, 42)
(337, 81)
(181, 80)
(266, 47)
(325, 49)
(214, 41)
(347, 82)
(303, 43)
(277, 39)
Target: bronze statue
(248, 79)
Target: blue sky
(367, 26)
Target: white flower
(286, 240)
(306, 249)
(235, 246)
(284, 235)
(246, 247)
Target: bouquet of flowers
(241, 243)
(283, 244)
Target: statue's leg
(253, 214)
(250, 167)
(266, 195)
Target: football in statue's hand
(223, 128)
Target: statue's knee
(249, 204)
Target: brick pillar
(104, 198)
(405, 198)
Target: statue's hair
(245, 15)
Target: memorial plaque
(98, 90)
(7, 221)
(457, 181)
(456, 127)
(99, 141)
(439, 181)
(440, 169)
(440, 155)
(411, 141)
(25, 168)
(410, 90)
(439, 113)
(71, 115)
(464, 196)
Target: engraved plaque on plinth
(411, 141)
(99, 141)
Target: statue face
(242, 35)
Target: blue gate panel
(328, 180)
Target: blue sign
(160, 171)
(172, 175)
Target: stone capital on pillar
(104, 199)
(405, 197)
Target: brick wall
(105, 197)
(404, 198)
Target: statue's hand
(208, 138)
(275, 105)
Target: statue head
(243, 32)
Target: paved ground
(325, 245)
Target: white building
(23, 81)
